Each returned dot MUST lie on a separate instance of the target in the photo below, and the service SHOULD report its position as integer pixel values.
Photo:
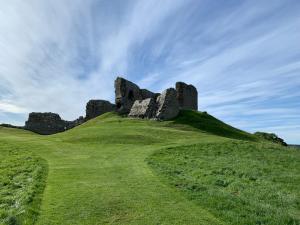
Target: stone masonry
(126, 93)
(167, 104)
(143, 108)
(187, 96)
(45, 123)
(96, 108)
(147, 94)
(129, 99)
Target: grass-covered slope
(239, 182)
(207, 123)
(98, 173)
(22, 181)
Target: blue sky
(243, 56)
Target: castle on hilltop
(129, 100)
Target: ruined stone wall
(51, 123)
(126, 93)
(45, 123)
(75, 123)
(167, 105)
(130, 99)
(96, 108)
(145, 109)
(142, 103)
(147, 94)
(163, 107)
(187, 96)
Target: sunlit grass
(22, 180)
(99, 173)
(239, 182)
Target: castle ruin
(129, 100)
(126, 93)
(49, 123)
(187, 96)
(96, 108)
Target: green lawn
(22, 181)
(109, 171)
(239, 182)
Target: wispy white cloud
(10, 107)
(243, 56)
(37, 52)
(44, 45)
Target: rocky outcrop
(167, 105)
(45, 123)
(187, 96)
(96, 108)
(143, 108)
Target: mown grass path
(98, 175)
(98, 172)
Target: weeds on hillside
(22, 180)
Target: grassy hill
(115, 170)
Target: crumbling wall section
(45, 123)
(129, 99)
(96, 108)
(167, 105)
(187, 96)
(126, 93)
(143, 108)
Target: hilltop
(150, 158)
(193, 169)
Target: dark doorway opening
(130, 95)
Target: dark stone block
(147, 94)
(187, 96)
(167, 105)
(126, 93)
(96, 108)
(45, 123)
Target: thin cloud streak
(242, 56)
